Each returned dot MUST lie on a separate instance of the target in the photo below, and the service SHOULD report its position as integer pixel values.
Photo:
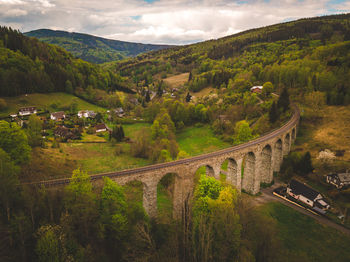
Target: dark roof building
(307, 195)
(298, 188)
(339, 180)
(58, 115)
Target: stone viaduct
(258, 158)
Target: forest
(91, 48)
(305, 62)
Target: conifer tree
(273, 113)
(283, 100)
(188, 97)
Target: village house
(339, 180)
(101, 128)
(65, 133)
(58, 116)
(307, 195)
(26, 111)
(86, 114)
(119, 111)
(256, 89)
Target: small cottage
(339, 180)
(58, 116)
(101, 128)
(86, 114)
(306, 194)
(119, 111)
(25, 111)
(256, 89)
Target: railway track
(294, 119)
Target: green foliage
(267, 89)
(118, 133)
(39, 67)
(283, 100)
(273, 113)
(14, 142)
(9, 183)
(216, 227)
(243, 133)
(48, 245)
(91, 48)
(35, 126)
(295, 163)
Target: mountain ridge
(92, 48)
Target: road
(267, 196)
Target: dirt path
(267, 196)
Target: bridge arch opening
(266, 172)
(277, 155)
(165, 197)
(286, 145)
(134, 193)
(293, 133)
(205, 170)
(248, 179)
(229, 172)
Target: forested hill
(30, 66)
(304, 55)
(91, 48)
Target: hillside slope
(91, 48)
(30, 66)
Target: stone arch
(233, 172)
(277, 155)
(294, 133)
(286, 144)
(266, 172)
(206, 169)
(249, 180)
(166, 196)
(144, 193)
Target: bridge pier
(150, 197)
(183, 190)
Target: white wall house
(58, 116)
(306, 195)
(25, 111)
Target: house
(86, 114)
(256, 89)
(57, 116)
(119, 111)
(101, 128)
(65, 133)
(25, 111)
(339, 180)
(307, 195)
(61, 131)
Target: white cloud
(164, 21)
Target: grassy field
(204, 92)
(101, 157)
(331, 131)
(199, 140)
(131, 130)
(177, 80)
(50, 101)
(304, 238)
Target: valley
(188, 134)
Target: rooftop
(299, 188)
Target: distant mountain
(91, 48)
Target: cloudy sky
(160, 21)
